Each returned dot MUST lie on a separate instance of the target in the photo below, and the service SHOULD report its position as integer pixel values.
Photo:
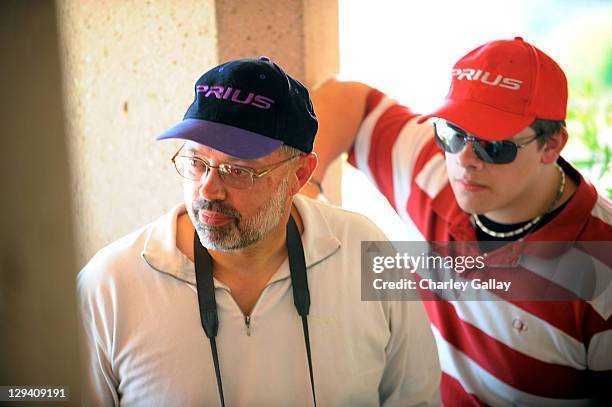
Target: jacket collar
(160, 251)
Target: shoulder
(599, 225)
(389, 127)
(598, 212)
(112, 262)
(602, 210)
(340, 222)
(118, 266)
(158, 236)
(380, 108)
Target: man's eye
(237, 171)
(196, 164)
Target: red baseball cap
(501, 87)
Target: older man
(488, 168)
(247, 294)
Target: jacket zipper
(247, 321)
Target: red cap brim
(481, 120)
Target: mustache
(215, 206)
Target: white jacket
(143, 343)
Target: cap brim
(230, 140)
(481, 120)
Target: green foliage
(589, 118)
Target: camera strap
(208, 303)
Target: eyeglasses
(452, 139)
(193, 168)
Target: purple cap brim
(230, 140)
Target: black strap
(299, 282)
(208, 304)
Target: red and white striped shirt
(562, 355)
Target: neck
(262, 257)
(536, 200)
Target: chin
(474, 203)
(472, 206)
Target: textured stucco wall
(300, 35)
(321, 61)
(249, 29)
(321, 53)
(129, 69)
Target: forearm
(340, 108)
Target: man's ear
(554, 144)
(303, 171)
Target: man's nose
(467, 157)
(211, 185)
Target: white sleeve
(99, 384)
(412, 372)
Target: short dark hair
(545, 129)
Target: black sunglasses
(452, 139)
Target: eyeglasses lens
(194, 169)
(235, 176)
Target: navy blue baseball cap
(247, 108)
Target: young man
(271, 278)
(488, 168)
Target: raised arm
(340, 107)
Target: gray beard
(239, 234)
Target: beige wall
(321, 56)
(129, 72)
(300, 35)
(263, 27)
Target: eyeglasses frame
(254, 174)
(467, 137)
